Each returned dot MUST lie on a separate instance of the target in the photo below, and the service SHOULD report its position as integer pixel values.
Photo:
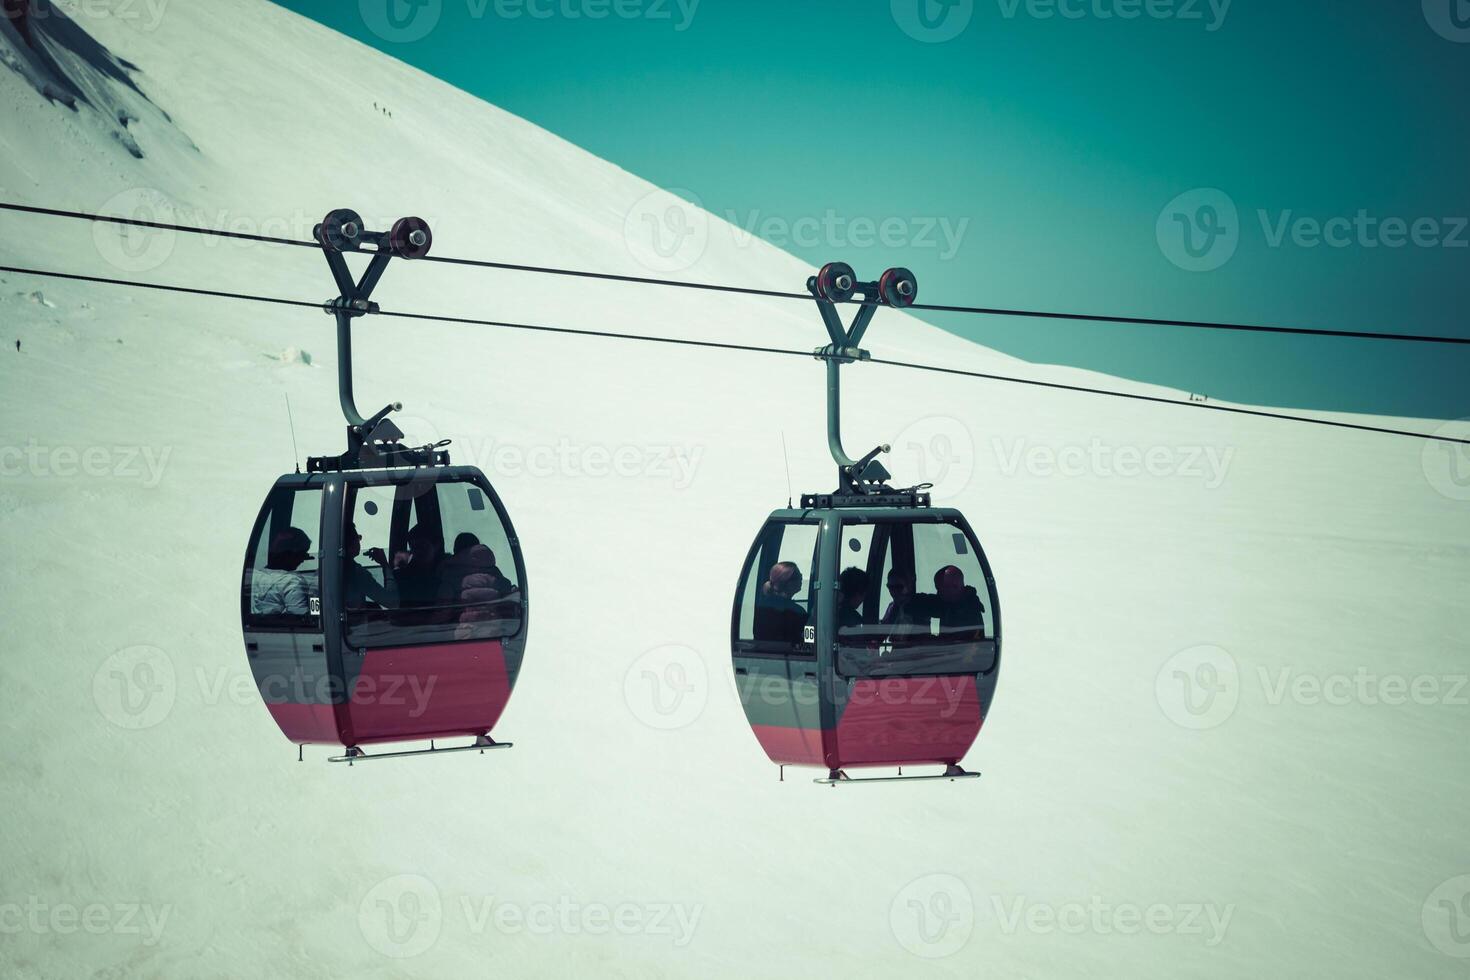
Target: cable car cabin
(866, 636)
(384, 604)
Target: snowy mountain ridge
(1159, 567)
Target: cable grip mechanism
(376, 440)
(835, 283)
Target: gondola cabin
(866, 626)
(866, 637)
(383, 596)
(384, 605)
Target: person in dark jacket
(852, 589)
(419, 572)
(779, 618)
(908, 612)
(361, 588)
(957, 606)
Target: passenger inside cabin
(908, 614)
(362, 588)
(418, 571)
(957, 606)
(852, 590)
(779, 618)
(481, 587)
(279, 589)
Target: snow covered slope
(1230, 732)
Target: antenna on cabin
(295, 453)
(787, 460)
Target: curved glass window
(912, 599)
(775, 602)
(282, 588)
(427, 563)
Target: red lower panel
(791, 746)
(305, 722)
(901, 720)
(428, 691)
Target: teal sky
(1048, 137)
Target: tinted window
(282, 585)
(913, 601)
(427, 563)
(775, 592)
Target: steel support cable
(751, 348)
(774, 293)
